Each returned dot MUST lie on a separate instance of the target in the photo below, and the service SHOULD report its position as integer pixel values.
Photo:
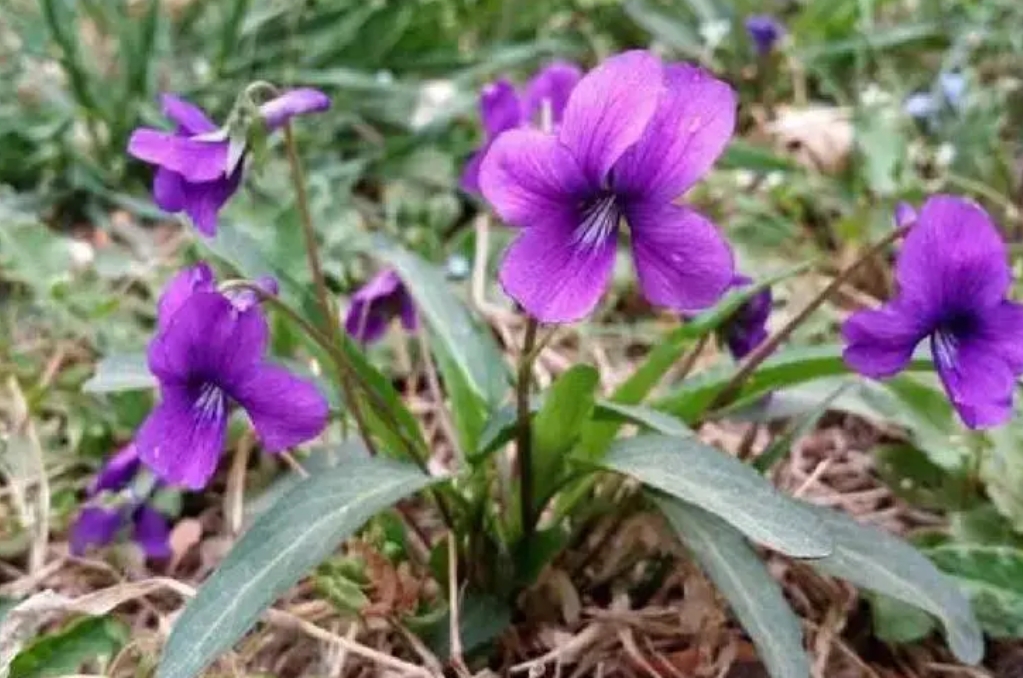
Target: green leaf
(567, 405)
(468, 409)
(1001, 469)
(786, 368)
(473, 350)
(481, 619)
(737, 571)
(120, 372)
(655, 420)
(897, 622)
(699, 474)
(282, 545)
(991, 576)
(911, 475)
(64, 652)
(877, 561)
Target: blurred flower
(765, 31)
(502, 109)
(197, 170)
(747, 328)
(375, 304)
(905, 215)
(435, 98)
(634, 136)
(99, 524)
(209, 352)
(953, 88)
(953, 280)
(921, 106)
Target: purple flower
(502, 109)
(209, 352)
(905, 215)
(953, 280)
(747, 328)
(100, 523)
(376, 303)
(764, 30)
(193, 173)
(634, 136)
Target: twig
(234, 497)
(457, 660)
(294, 464)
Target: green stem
(764, 350)
(320, 283)
(525, 432)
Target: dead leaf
(819, 137)
(184, 536)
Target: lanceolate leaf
(283, 544)
(992, 576)
(120, 372)
(739, 574)
(877, 561)
(699, 474)
(473, 350)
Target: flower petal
(366, 321)
(285, 410)
(117, 472)
(551, 87)
(553, 275)
(609, 110)
(879, 343)
(528, 175)
(953, 258)
(682, 260)
(184, 284)
(694, 122)
(168, 190)
(208, 339)
(95, 526)
(499, 108)
(152, 532)
(280, 110)
(203, 201)
(1000, 330)
(195, 161)
(190, 118)
(905, 215)
(470, 181)
(978, 381)
(181, 440)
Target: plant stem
(320, 283)
(764, 350)
(524, 442)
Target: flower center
(949, 335)
(600, 218)
(210, 404)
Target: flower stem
(320, 283)
(768, 347)
(524, 441)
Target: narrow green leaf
(702, 475)
(655, 420)
(120, 372)
(875, 560)
(472, 349)
(482, 618)
(992, 577)
(468, 409)
(897, 622)
(737, 571)
(283, 544)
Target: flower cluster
(953, 280)
(197, 169)
(765, 31)
(113, 505)
(635, 134)
(208, 353)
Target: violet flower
(196, 173)
(376, 303)
(953, 280)
(99, 524)
(209, 352)
(502, 109)
(905, 215)
(634, 136)
(765, 31)
(747, 328)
